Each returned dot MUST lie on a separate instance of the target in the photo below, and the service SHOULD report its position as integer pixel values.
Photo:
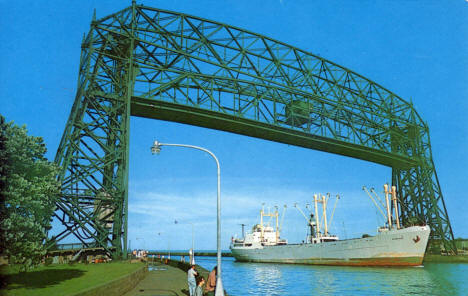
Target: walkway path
(162, 280)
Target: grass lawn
(446, 259)
(63, 279)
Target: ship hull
(404, 247)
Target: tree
(29, 190)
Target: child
(199, 288)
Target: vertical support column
(129, 86)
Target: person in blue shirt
(191, 274)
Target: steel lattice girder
(159, 64)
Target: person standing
(199, 288)
(191, 274)
(211, 282)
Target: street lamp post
(155, 149)
(168, 244)
(144, 242)
(144, 246)
(192, 261)
(192, 250)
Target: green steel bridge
(153, 63)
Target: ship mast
(388, 200)
(280, 226)
(315, 235)
(395, 205)
(261, 223)
(317, 225)
(324, 208)
(276, 216)
(389, 215)
(271, 215)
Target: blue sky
(417, 49)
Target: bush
(48, 261)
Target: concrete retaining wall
(118, 286)
(185, 266)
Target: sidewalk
(162, 280)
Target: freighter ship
(392, 246)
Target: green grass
(446, 259)
(63, 279)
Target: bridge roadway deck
(163, 280)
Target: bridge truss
(148, 62)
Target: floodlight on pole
(156, 149)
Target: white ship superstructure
(392, 246)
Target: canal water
(240, 279)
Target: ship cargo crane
(375, 203)
(310, 223)
(282, 220)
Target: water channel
(241, 279)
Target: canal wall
(184, 266)
(118, 286)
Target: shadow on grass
(40, 279)
(159, 291)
